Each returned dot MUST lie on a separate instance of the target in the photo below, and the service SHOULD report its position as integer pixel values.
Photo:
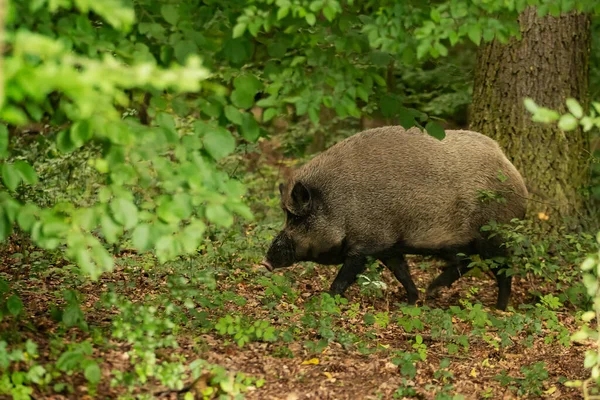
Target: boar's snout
(265, 263)
(281, 253)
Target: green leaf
(27, 216)
(283, 12)
(14, 305)
(453, 36)
(530, 105)
(329, 13)
(269, 114)
(92, 373)
(233, 114)
(316, 5)
(311, 19)
(4, 288)
(567, 122)
(192, 236)
(102, 258)
(248, 83)
(313, 115)
(423, 48)
(474, 33)
(239, 29)
(125, 212)
(11, 176)
(141, 237)
(170, 13)
(242, 99)
(69, 360)
(545, 115)
(406, 118)
(5, 225)
(574, 108)
(165, 248)
(110, 229)
(435, 130)
(167, 124)
(36, 374)
(389, 105)
(81, 132)
(211, 109)
(246, 88)
(64, 142)
(72, 315)
(297, 60)
(183, 49)
(27, 172)
(219, 143)
(217, 214)
(250, 128)
(3, 141)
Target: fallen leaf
(473, 373)
(313, 361)
(551, 390)
(486, 363)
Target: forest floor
(293, 370)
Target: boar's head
(310, 233)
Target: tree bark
(549, 64)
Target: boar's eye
(293, 218)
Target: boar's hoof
(433, 293)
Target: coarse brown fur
(389, 191)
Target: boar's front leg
(398, 266)
(353, 265)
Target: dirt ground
(339, 374)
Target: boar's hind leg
(353, 265)
(504, 288)
(399, 267)
(453, 271)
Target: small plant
(71, 315)
(244, 331)
(18, 383)
(278, 286)
(532, 382)
(322, 313)
(484, 195)
(420, 347)
(78, 357)
(146, 329)
(407, 362)
(10, 302)
(406, 390)
(382, 319)
(410, 319)
(591, 279)
(214, 381)
(370, 282)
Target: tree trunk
(549, 64)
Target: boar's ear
(301, 199)
(281, 189)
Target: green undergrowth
(144, 328)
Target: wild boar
(386, 192)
